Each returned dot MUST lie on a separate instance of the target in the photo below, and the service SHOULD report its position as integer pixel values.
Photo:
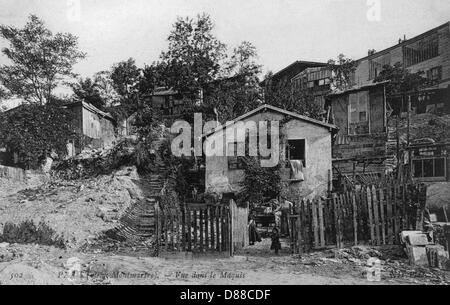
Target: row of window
(421, 50)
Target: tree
(400, 80)
(343, 69)
(282, 95)
(238, 91)
(40, 60)
(400, 83)
(126, 78)
(194, 55)
(243, 62)
(87, 90)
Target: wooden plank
(305, 226)
(292, 233)
(364, 229)
(228, 237)
(300, 229)
(369, 209)
(212, 213)
(389, 220)
(219, 228)
(201, 225)
(382, 218)
(396, 193)
(339, 219)
(321, 224)
(376, 221)
(231, 214)
(158, 228)
(206, 228)
(355, 219)
(224, 229)
(166, 231)
(174, 232)
(403, 208)
(183, 227)
(195, 231)
(188, 228)
(348, 218)
(315, 223)
(341, 216)
(336, 222)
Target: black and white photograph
(234, 144)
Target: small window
(296, 150)
(434, 75)
(428, 168)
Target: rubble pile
(93, 162)
(80, 210)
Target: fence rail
(374, 214)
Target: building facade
(97, 127)
(302, 140)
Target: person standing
(286, 210)
(276, 245)
(253, 233)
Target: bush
(27, 233)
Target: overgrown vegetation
(35, 131)
(28, 233)
(282, 95)
(401, 80)
(343, 69)
(260, 183)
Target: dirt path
(47, 265)
(31, 264)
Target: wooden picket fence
(199, 228)
(374, 214)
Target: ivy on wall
(35, 131)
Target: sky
(283, 31)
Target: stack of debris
(94, 162)
(422, 251)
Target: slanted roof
(295, 68)
(404, 42)
(358, 88)
(275, 109)
(92, 109)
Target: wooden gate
(196, 228)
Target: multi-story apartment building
(317, 80)
(428, 53)
(369, 136)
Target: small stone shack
(301, 140)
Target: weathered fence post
(369, 208)
(376, 222)
(321, 224)
(336, 220)
(355, 219)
